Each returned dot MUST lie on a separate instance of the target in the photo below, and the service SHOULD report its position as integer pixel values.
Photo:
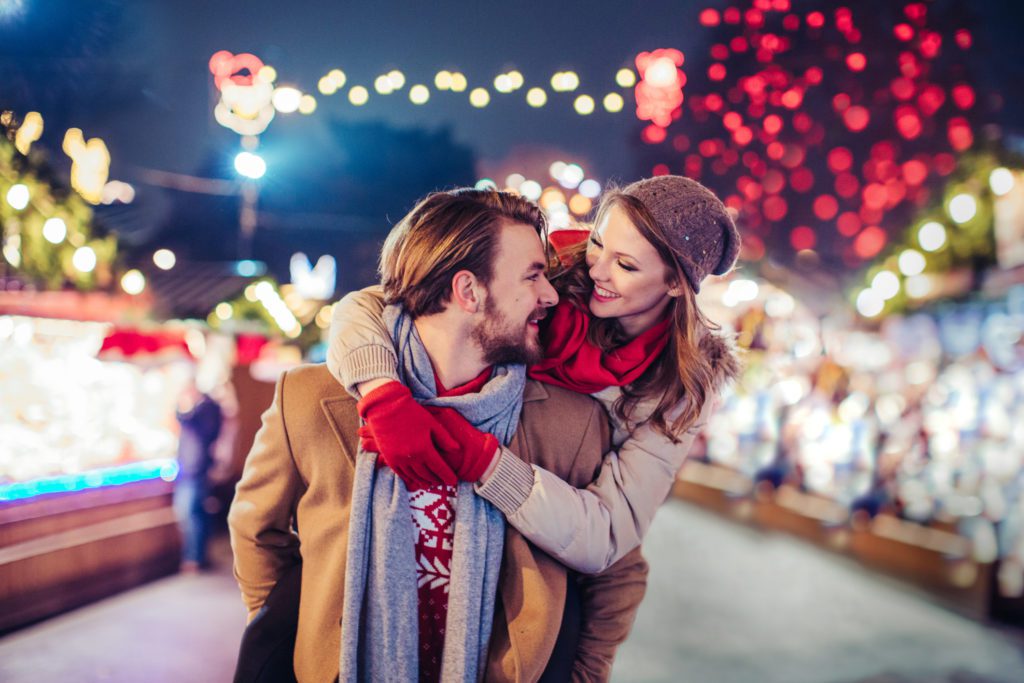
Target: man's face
(517, 297)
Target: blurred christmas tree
(826, 128)
(49, 238)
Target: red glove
(410, 441)
(476, 448)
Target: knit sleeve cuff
(366, 363)
(510, 483)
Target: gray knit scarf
(379, 628)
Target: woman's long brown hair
(682, 372)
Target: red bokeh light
(944, 163)
(753, 247)
(915, 172)
(930, 99)
(825, 207)
(710, 17)
(961, 137)
(875, 196)
(916, 11)
(908, 123)
(713, 102)
(801, 180)
(815, 19)
(774, 208)
(813, 75)
(792, 98)
(732, 121)
(903, 32)
(772, 124)
(847, 185)
(719, 52)
(738, 44)
(774, 182)
(856, 61)
(848, 223)
(775, 150)
(802, 238)
(841, 102)
(680, 143)
(964, 39)
(802, 122)
(791, 22)
(931, 43)
(654, 134)
(732, 15)
(869, 242)
(794, 156)
(902, 88)
(660, 169)
(743, 135)
(856, 118)
(963, 95)
(716, 72)
(840, 159)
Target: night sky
(135, 73)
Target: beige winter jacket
(586, 529)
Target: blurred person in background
(200, 418)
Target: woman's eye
(595, 242)
(626, 266)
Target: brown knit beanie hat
(698, 227)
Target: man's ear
(467, 292)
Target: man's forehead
(520, 244)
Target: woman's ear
(466, 291)
(675, 289)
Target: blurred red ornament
(732, 121)
(754, 18)
(772, 124)
(710, 17)
(716, 72)
(856, 61)
(875, 196)
(775, 150)
(713, 102)
(738, 44)
(732, 15)
(815, 19)
(825, 207)
(916, 11)
(813, 75)
(802, 238)
(869, 242)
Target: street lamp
(252, 167)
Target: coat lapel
(344, 421)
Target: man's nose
(547, 295)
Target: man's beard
(501, 343)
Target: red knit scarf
(573, 362)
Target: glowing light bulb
(911, 262)
(931, 236)
(358, 96)
(479, 98)
(536, 97)
(1001, 181)
(133, 282)
(625, 78)
(55, 230)
(84, 259)
(963, 208)
(164, 259)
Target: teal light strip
(166, 469)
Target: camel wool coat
(293, 501)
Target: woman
(627, 330)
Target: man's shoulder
(313, 381)
(558, 404)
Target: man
(466, 272)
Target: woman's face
(630, 279)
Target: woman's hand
(408, 437)
(476, 450)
